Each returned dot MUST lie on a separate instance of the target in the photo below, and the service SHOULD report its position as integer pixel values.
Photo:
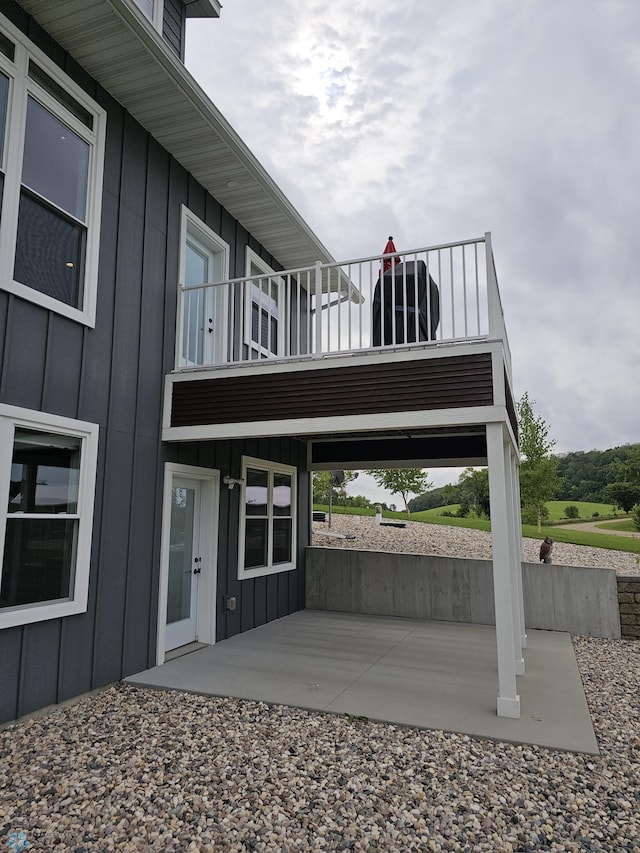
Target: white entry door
(185, 563)
(188, 560)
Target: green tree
(635, 515)
(473, 493)
(325, 480)
(402, 481)
(539, 481)
(624, 491)
(623, 494)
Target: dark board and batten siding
(440, 383)
(113, 376)
(173, 26)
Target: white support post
(515, 556)
(508, 698)
(518, 529)
(318, 307)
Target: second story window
(51, 156)
(153, 10)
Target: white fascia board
(335, 360)
(316, 427)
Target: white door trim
(209, 512)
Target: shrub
(571, 512)
(635, 516)
(596, 515)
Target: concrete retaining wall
(582, 601)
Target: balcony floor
(432, 675)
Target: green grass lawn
(560, 533)
(626, 524)
(586, 510)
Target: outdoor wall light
(230, 482)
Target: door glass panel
(56, 161)
(4, 93)
(196, 271)
(180, 554)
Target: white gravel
(419, 538)
(131, 769)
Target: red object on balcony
(388, 262)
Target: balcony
(337, 309)
(312, 351)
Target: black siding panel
(64, 359)
(25, 351)
(10, 668)
(114, 544)
(40, 662)
(362, 389)
(173, 26)
(142, 535)
(112, 375)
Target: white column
(508, 699)
(520, 555)
(515, 556)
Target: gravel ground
(129, 769)
(420, 538)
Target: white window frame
(192, 226)
(158, 13)
(12, 417)
(20, 87)
(271, 468)
(252, 258)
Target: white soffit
(113, 41)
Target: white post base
(509, 707)
(520, 666)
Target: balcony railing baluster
(348, 307)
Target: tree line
(609, 476)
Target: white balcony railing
(421, 298)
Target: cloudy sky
(437, 121)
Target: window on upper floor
(153, 10)
(47, 484)
(51, 161)
(203, 309)
(268, 518)
(264, 309)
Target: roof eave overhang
(203, 8)
(114, 42)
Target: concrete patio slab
(433, 675)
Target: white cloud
(436, 122)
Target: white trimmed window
(47, 485)
(268, 518)
(264, 309)
(153, 10)
(51, 162)
(202, 309)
